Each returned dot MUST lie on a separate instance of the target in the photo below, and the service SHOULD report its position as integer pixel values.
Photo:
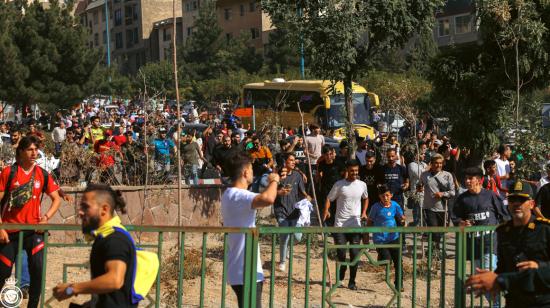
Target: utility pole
(108, 37)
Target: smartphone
(287, 186)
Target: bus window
(337, 112)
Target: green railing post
(442, 288)
(254, 264)
(308, 256)
(324, 280)
(44, 272)
(413, 297)
(224, 276)
(247, 269)
(460, 273)
(18, 263)
(399, 274)
(181, 261)
(272, 280)
(203, 268)
(429, 270)
(289, 278)
(159, 252)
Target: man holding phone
(290, 190)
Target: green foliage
(118, 86)
(158, 77)
(14, 71)
(200, 57)
(238, 53)
(342, 38)
(228, 86)
(398, 91)
(48, 54)
(279, 54)
(476, 86)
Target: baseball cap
(520, 189)
(162, 130)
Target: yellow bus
(321, 102)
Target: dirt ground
(372, 289)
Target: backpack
(13, 172)
(144, 273)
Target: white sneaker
(282, 266)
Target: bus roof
(321, 86)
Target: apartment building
(234, 17)
(131, 23)
(456, 23)
(161, 38)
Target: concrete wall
(200, 206)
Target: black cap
(520, 189)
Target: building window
(96, 39)
(136, 35)
(166, 35)
(135, 11)
(128, 15)
(252, 6)
(103, 15)
(192, 5)
(189, 31)
(228, 36)
(463, 24)
(255, 33)
(444, 27)
(242, 9)
(96, 18)
(104, 37)
(129, 38)
(118, 17)
(118, 40)
(227, 14)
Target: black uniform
(526, 243)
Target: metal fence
(195, 275)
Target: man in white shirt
(239, 210)
(503, 168)
(314, 144)
(545, 179)
(415, 170)
(348, 194)
(59, 134)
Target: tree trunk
(350, 131)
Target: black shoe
(352, 286)
(25, 291)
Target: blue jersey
(385, 217)
(162, 149)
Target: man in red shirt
(107, 149)
(23, 207)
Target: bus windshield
(336, 115)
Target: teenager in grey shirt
(438, 187)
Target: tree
(199, 57)
(159, 77)
(517, 30)
(11, 81)
(54, 51)
(279, 54)
(239, 53)
(342, 38)
(473, 84)
(108, 81)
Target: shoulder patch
(544, 221)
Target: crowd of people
(305, 178)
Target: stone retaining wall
(200, 206)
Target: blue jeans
(489, 262)
(191, 174)
(284, 238)
(25, 278)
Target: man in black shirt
(542, 200)
(329, 170)
(396, 177)
(479, 207)
(222, 153)
(112, 257)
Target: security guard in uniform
(523, 243)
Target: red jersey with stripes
(30, 212)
